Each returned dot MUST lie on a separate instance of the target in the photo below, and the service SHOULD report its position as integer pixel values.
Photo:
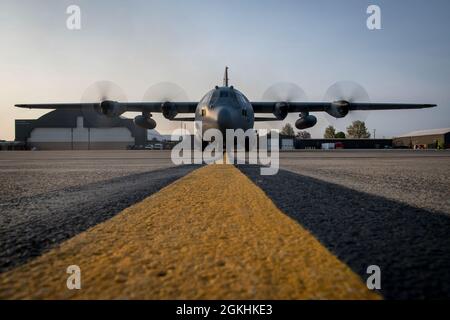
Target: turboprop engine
(110, 108)
(338, 109)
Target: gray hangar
(77, 130)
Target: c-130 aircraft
(225, 108)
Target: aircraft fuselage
(224, 108)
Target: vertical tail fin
(225, 77)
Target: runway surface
(140, 228)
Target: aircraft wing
(180, 107)
(269, 107)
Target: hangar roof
(425, 132)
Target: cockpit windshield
(206, 98)
(227, 95)
(214, 97)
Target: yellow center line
(212, 234)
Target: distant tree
(287, 130)
(330, 132)
(303, 135)
(340, 135)
(358, 130)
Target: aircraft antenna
(225, 77)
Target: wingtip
(22, 106)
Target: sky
(139, 43)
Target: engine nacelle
(338, 109)
(281, 110)
(110, 108)
(169, 110)
(145, 122)
(305, 122)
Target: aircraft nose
(224, 120)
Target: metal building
(344, 143)
(76, 130)
(423, 139)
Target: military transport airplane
(227, 108)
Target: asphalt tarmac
(420, 178)
(389, 208)
(48, 197)
(188, 241)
